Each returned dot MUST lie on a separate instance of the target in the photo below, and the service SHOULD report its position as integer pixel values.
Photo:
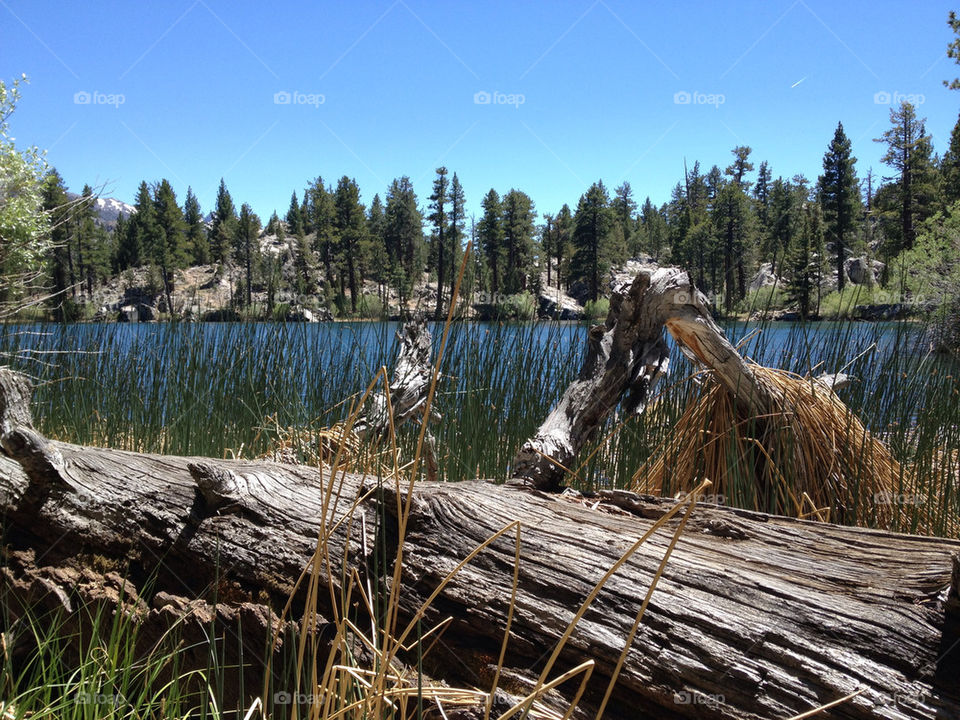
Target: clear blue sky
(599, 83)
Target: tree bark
(754, 617)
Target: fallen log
(755, 616)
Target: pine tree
(950, 168)
(909, 154)
(141, 231)
(294, 216)
(438, 217)
(592, 224)
(375, 254)
(351, 228)
(223, 229)
(166, 248)
(653, 230)
(247, 247)
(56, 205)
(403, 236)
(518, 221)
(740, 167)
(322, 220)
(731, 220)
(624, 208)
(88, 241)
(490, 236)
(839, 193)
(197, 244)
(456, 230)
(563, 247)
(547, 239)
(806, 260)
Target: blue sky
(193, 90)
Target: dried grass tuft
(814, 458)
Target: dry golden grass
(813, 459)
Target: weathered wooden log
(754, 617)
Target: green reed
(216, 389)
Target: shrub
(596, 310)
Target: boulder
(861, 271)
(765, 277)
(627, 272)
(555, 304)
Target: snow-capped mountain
(107, 210)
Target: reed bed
(254, 389)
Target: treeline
(721, 225)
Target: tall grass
(220, 389)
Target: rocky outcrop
(554, 304)
(861, 271)
(765, 277)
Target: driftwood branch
(625, 359)
(408, 391)
(755, 616)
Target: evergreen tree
(294, 216)
(351, 228)
(456, 229)
(909, 154)
(56, 205)
(592, 224)
(197, 243)
(322, 220)
(740, 167)
(403, 236)
(248, 248)
(548, 232)
(781, 223)
(438, 217)
(490, 236)
(303, 264)
(950, 169)
(653, 230)
(167, 246)
(89, 242)
(731, 220)
(141, 231)
(375, 253)
(806, 261)
(624, 208)
(518, 222)
(761, 196)
(839, 193)
(563, 247)
(224, 226)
